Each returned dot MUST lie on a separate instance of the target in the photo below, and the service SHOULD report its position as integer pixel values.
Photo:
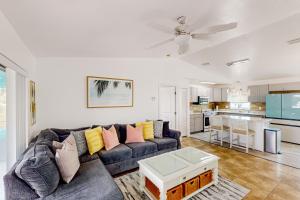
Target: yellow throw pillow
(94, 139)
(148, 130)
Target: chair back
(239, 126)
(216, 122)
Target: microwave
(202, 100)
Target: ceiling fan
(183, 33)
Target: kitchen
(263, 105)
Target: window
(240, 106)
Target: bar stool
(240, 127)
(217, 127)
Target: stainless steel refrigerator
(272, 140)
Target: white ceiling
(270, 55)
(114, 28)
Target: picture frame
(106, 92)
(32, 99)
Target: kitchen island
(256, 124)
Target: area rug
(225, 190)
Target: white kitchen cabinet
(193, 94)
(258, 93)
(284, 87)
(263, 92)
(224, 97)
(196, 123)
(217, 94)
(289, 130)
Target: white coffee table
(171, 169)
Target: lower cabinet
(196, 123)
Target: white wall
(13, 48)
(62, 88)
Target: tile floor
(290, 153)
(267, 180)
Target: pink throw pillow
(134, 134)
(110, 138)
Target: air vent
(206, 64)
(293, 41)
(229, 64)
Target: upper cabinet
(224, 94)
(200, 91)
(284, 87)
(193, 94)
(217, 94)
(258, 93)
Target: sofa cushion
(141, 149)
(117, 154)
(67, 159)
(165, 143)
(166, 129)
(88, 157)
(134, 134)
(46, 137)
(94, 139)
(158, 128)
(92, 182)
(80, 141)
(122, 131)
(64, 133)
(148, 130)
(39, 170)
(110, 138)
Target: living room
(98, 99)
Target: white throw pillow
(67, 159)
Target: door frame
(187, 134)
(176, 96)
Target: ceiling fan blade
(183, 48)
(160, 43)
(222, 27)
(197, 24)
(161, 28)
(200, 36)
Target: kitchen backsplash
(226, 105)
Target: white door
(183, 114)
(167, 105)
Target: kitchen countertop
(196, 113)
(243, 112)
(255, 119)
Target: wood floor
(266, 179)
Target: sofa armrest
(176, 135)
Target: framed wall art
(32, 102)
(103, 92)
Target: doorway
(3, 136)
(167, 105)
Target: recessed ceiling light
(168, 55)
(294, 41)
(229, 64)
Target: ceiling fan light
(182, 39)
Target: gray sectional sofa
(94, 178)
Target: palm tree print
(101, 85)
(128, 85)
(116, 84)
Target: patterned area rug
(225, 190)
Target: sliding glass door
(3, 136)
